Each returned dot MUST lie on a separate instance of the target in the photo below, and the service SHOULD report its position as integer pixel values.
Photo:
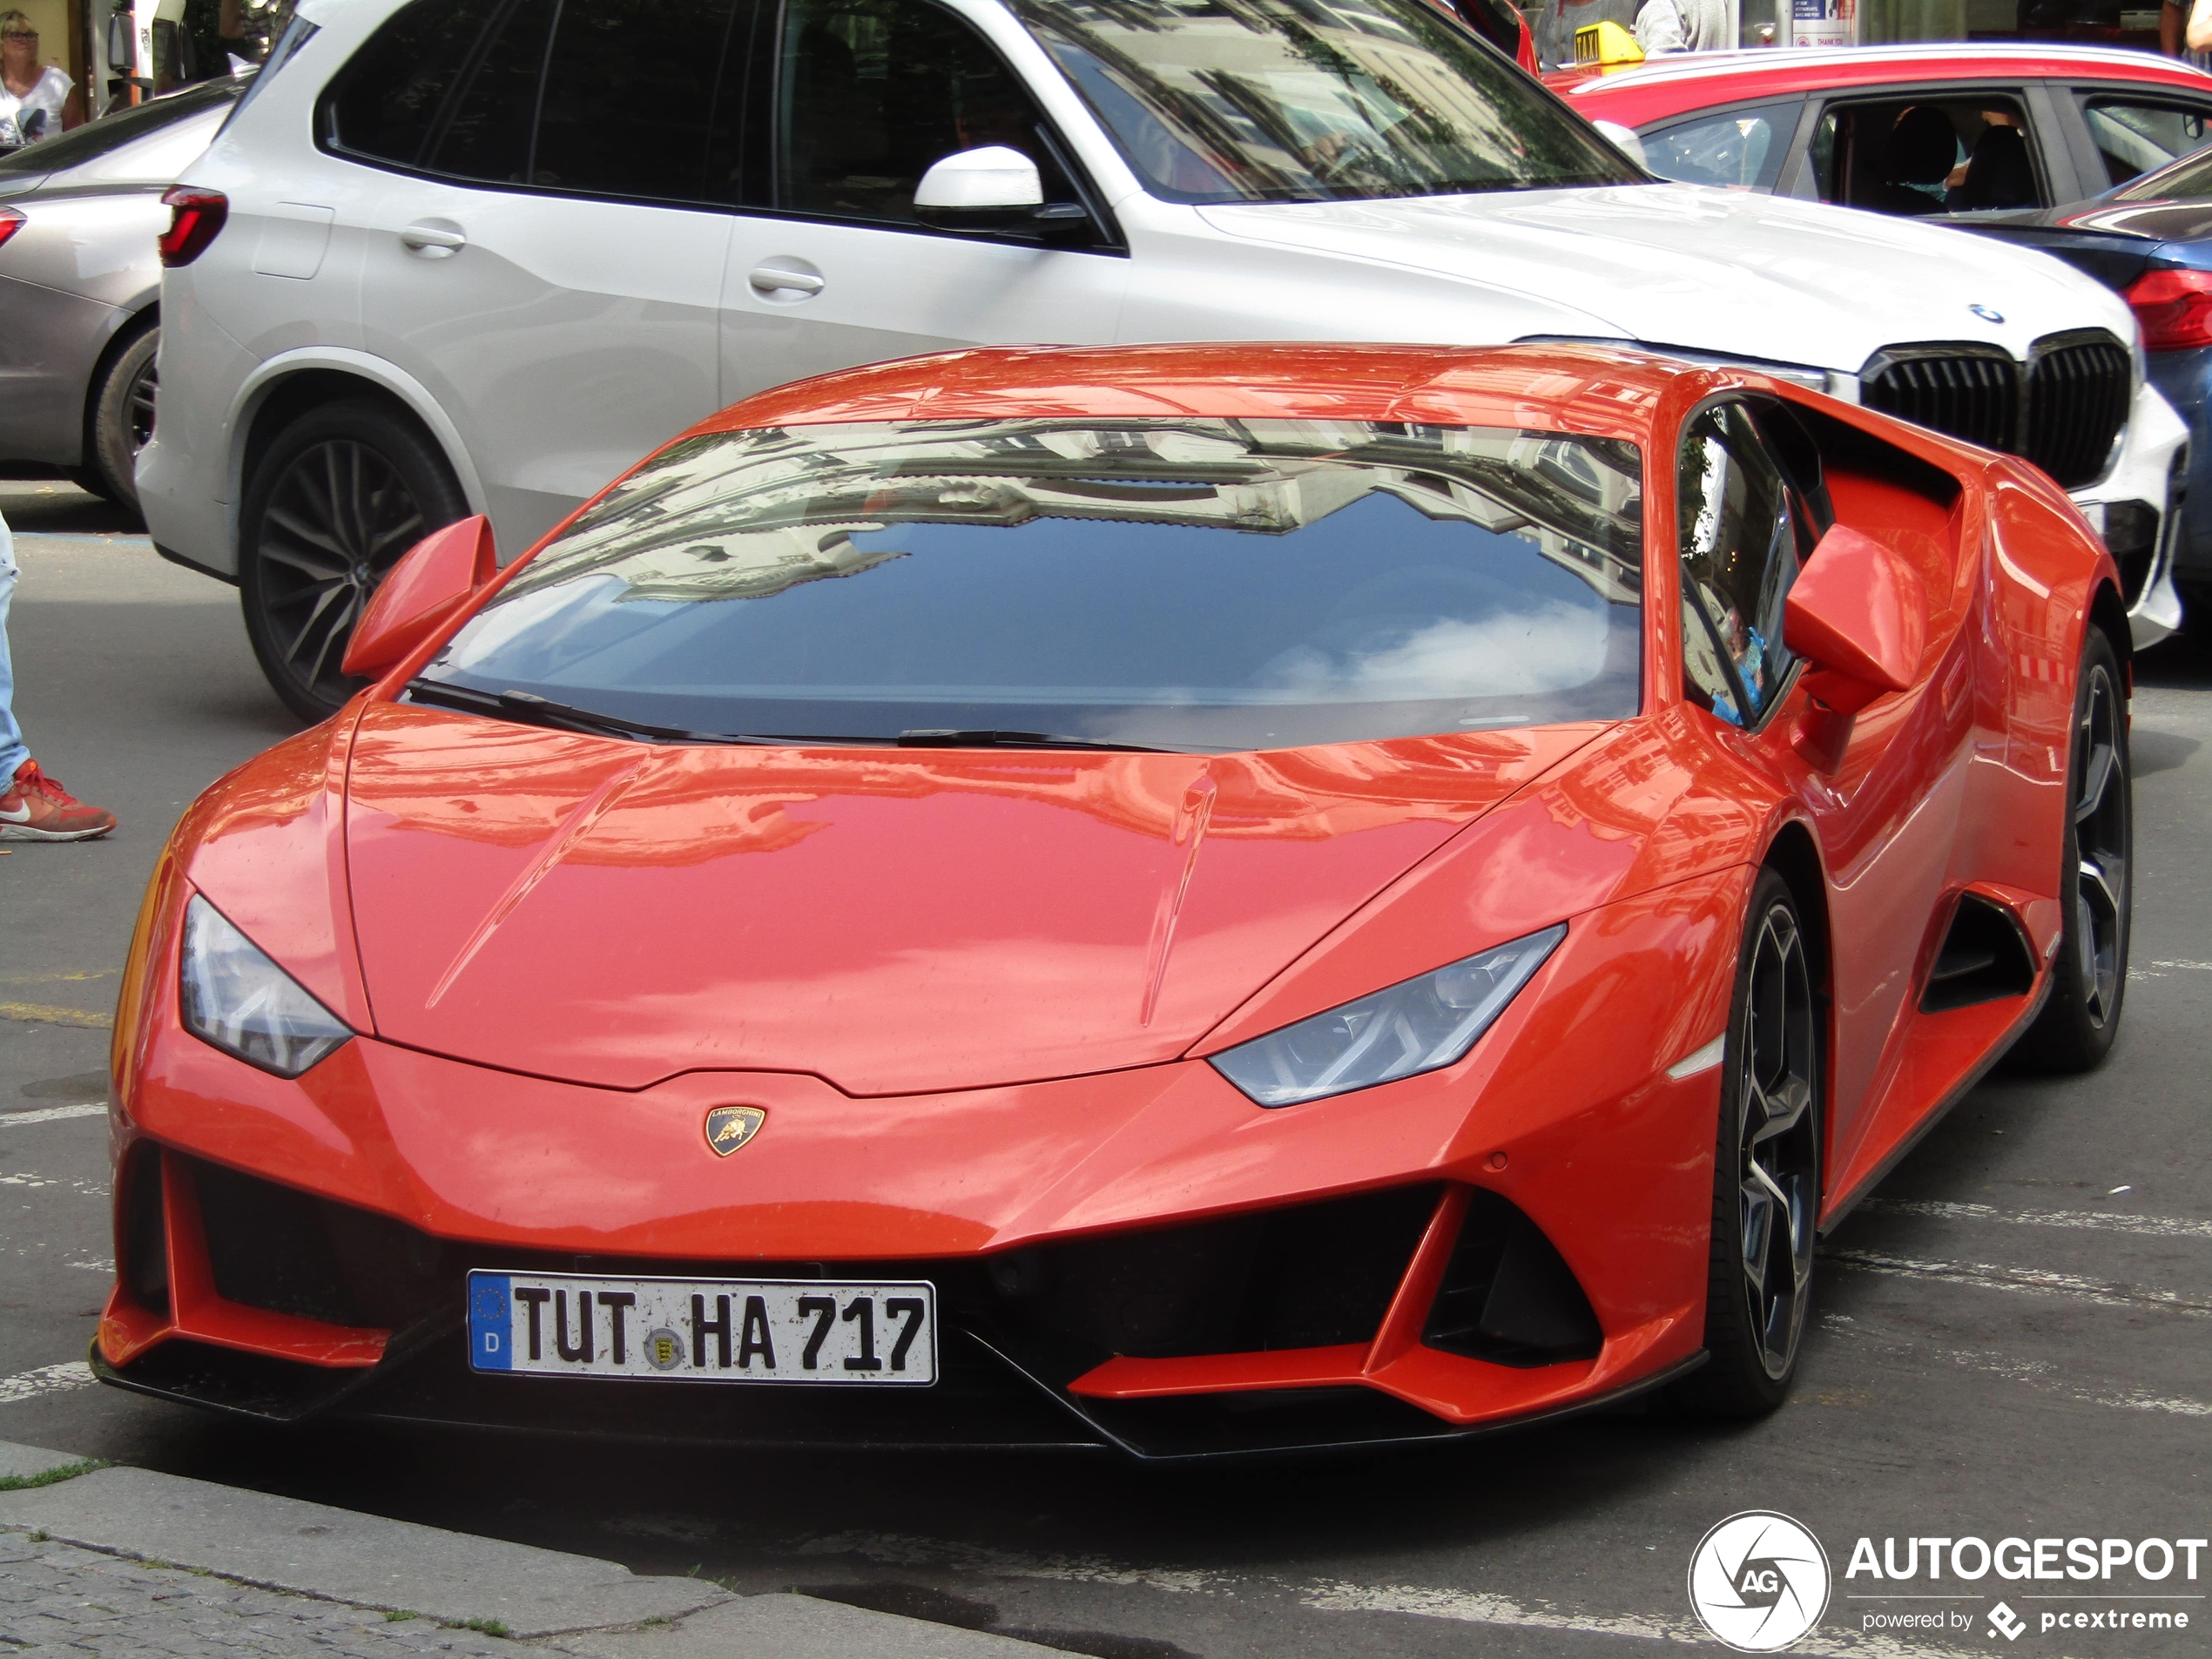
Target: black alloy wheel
(342, 496)
(2089, 975)
(123, 405)
(1766, 1178)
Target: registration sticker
(680, 1330)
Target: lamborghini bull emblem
(729, 1127)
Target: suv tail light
(194, 217)
(2174, 308)
(11, 222)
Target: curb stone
(28, 1462)
(592, 1606)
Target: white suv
(481, 255)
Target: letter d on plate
(729, 1127)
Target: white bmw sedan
(455, 256)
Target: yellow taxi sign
(1606, 45)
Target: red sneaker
(35, 808)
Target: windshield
(1191, 584)
(111, 132)
(1313, 100)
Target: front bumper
(2135, 507)
(1141, 1260)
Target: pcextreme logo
(1759, 1581)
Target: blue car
(2151, 238)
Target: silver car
(80, 284)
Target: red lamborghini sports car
(1194, 899)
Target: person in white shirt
(1682, 26)
(36, 100)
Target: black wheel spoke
(1777, 1094)
(2100, 809)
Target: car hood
(892, 920)
(1735, 274)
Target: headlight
(1417, 1026)
(234, 997)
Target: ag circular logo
(1759, 1581)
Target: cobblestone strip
(58, 1601)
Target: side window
(1913, 156)
(383, 103)
(2133, 138)
(1738, 149)
(485, 133)
(870, 92)
(1742, 535)
(630, 94)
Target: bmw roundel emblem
(1988, 313)
(729, 1127)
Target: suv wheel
(343, 492)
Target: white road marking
(1336, 1595)
(2038, 1373)
(52, 1113)
(99, 1265)
(2030, 1281)
(30, 1178)
(47, 1379)
(2087, 1220)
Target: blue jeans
(12, 753)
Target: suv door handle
(767, 279)
(420, 237)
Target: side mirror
(994, 188)
(1858, 614)
(433, 579)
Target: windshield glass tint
(1312, 100)
(112, 133)
(1195, 584)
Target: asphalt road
(2011, 1339)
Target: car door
(2127, 131)
(541, 255)
(1752, 496)
(2008, 148)
(829, 264)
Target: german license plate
(681, 1330)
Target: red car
(1195, 900)
(1915, 129)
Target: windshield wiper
(985, 737)
(530, 708)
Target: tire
(2089, 978)
(341, 495)
(1766, 1171)
(123, 417)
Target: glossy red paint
(429, 584)
(1678, 83)
(974, 991)
(1858, 614)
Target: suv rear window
(1188, 584)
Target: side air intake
(1507, 1297)
(1985, 958)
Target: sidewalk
(116, 1561)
